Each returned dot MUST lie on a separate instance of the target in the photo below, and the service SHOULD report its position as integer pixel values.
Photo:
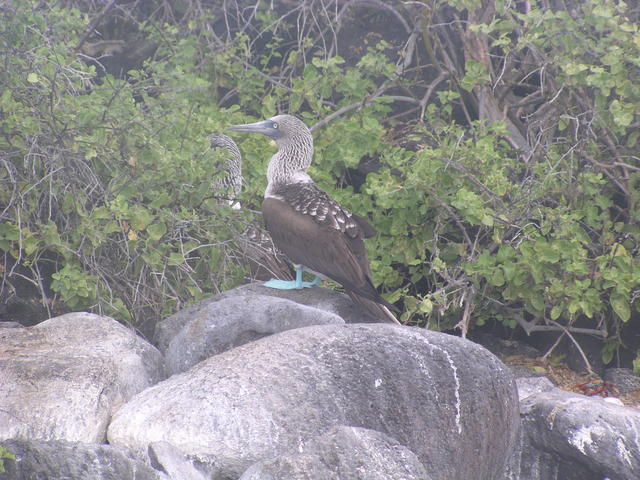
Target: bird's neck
(233, 180)
(289, 165)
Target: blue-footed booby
(256, 247)
(313, 230)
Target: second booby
(256, 248)
(307, 225)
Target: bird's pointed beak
(265, 127)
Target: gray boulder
(60, 460)
(63, 378)
(320, 298)
(343, 453)
(237, 320)
(599, 437)
(447, 399)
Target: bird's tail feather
(377, 310)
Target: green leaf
(636, 362)
(497, 279)
(426, 306)
(620, 305)
(607, 352)
(156, 231)
(547, 252)
(475, 74)
(622, 113)
(537, 301)
(33, 78)
(175, 259)
(140, 218)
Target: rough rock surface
(321, 298)
(343, 453)
(62, 379)
(527, 386)
(436, 394)
(60, 460)
(237, 320)
(624, 379)
(602, 437)
(10, 325)
(166, 458)
(531, 463)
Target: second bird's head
(283, 129)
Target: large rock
(601, 438)
(447, 399)
(320, 298)
(233, 321)
(60, 460)
(343, 453)
(62, 378)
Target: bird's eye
(275, 125)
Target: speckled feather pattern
(308, 199)
(294, 156)
(232, 181)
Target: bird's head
(221, 140)
(283, 129)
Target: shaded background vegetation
(493, 144)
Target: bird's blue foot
(282, 284)
(296, 284)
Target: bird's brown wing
(320, 247)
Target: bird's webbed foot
(296, 284)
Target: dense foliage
(500, 141)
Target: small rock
(63, 378)
(624, 379)
(234, 321)
(343, 453)
(529, 385)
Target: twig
(452, 214)
(575, 342)
(347, 108)
(555, 344)
(425, 99)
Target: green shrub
(107, 180)
(506, 141)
